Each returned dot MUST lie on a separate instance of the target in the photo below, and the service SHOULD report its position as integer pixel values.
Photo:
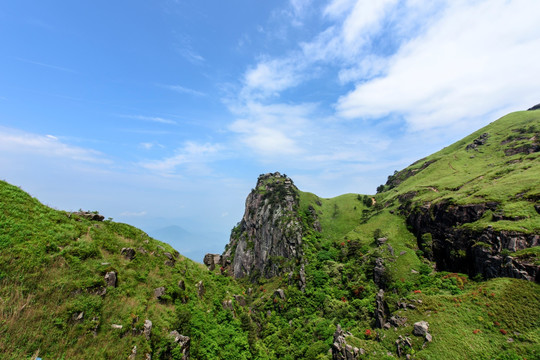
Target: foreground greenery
(53, 264)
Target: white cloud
(20, 142)
(191, 154)
(269, 77)
(477, 58)
(364, 18)
(272, 130)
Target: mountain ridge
(351, 277)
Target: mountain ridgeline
(443, 262)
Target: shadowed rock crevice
(486, 252)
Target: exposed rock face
(270, 233)
(467, 251)
(535, 107)
(378, 272)
(380, 309)
(110, 278)
(128, 253)
(94, 216)
(479, 141)
(420, 328)
(182, 341)
(341, 350)
(159, 292)
(200, 289)
(211, 260)
(147, 329)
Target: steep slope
(356, 276)
(76, 288)
(364, 267)
(474, 206)
(268, 240)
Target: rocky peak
(268, 239)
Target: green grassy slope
(52, 267)
(501, 170)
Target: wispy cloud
(59, 68)
(183, 90)
(16, 141)
(155, 119)
(191, 56)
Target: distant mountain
(194, 246)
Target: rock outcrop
(341, 350)
(268, 239)
(380, 309)
(486, 252)
(183, 342)
(212, 260)
(535, 107)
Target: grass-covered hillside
(76, 288)
(498, 163)
(55, 302)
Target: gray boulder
(420, 328)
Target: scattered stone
(302, 280)
(182, 285)
(211, 260)
(378, 272)
(397, 320)
(105, 263)
(414, 271)
(381, 241)
(420, 328)
(183, 342)
(159, 292)
(401, 343)
(481, 140)
(227, 305)
(200, 289)
(110, 278)
(380, 309)
(240, 300)
(510, 340)
(280, 293)
(168, 255)
(402, 252)
(128, 253)
(269, 313)
(169, 263)
(387, 326)
(428, 337)
(147, 356)
(133, 353)
(147, 329)
(77, 316)
(116, 326)
(160, 247)
(391, 249)
(94, 216)
(341, 350)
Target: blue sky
(165, 112)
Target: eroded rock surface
(270, 233)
